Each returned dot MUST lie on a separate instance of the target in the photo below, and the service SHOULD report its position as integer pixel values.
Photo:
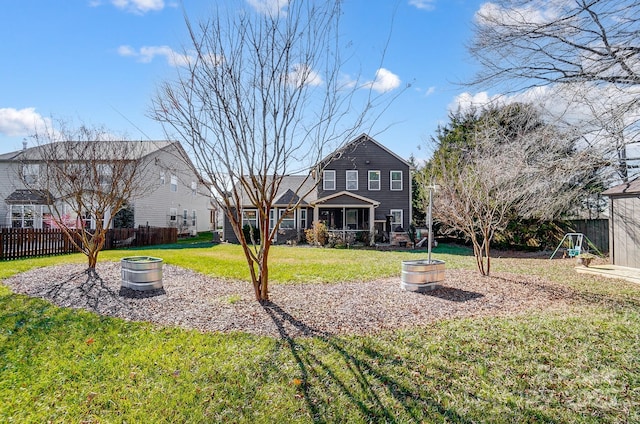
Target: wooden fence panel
(596, 230)
(16, 243)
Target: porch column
(372, 225)
(344, 223)
(316, 214)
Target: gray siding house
(177, 195)
(362, 187)
(624, 224)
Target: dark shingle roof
(29, 197)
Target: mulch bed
(195, 301)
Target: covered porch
(347, 215)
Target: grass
(61, 365)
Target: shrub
(250, 230)
(318, 234)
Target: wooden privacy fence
(16, 243)
(596, 230)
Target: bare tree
(88, 177)
(533, 42)
(506, 163)
(262, 96)
(585, 51)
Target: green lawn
(60, 365)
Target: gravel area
(195, 301)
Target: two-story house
(176, 195)
(363, 186)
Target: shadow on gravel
(87, 290)
(453, 295)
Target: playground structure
(573, 243)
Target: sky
(100, 62)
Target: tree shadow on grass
(356, 376)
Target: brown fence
(16, 243)
(596, 230)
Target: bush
(318, 234)
(250, 230)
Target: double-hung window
(174, 183)
(329, 180)
(173, 215)
(352, 180)
(374, 180)
(31, 173)
(250, 217)
(194, 188)
(105, 174)
(193, 218)
(396, 181)
(288, 219)
(303, 218)
(24, 216)
(396, 218)
(185, 217)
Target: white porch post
(371, 225)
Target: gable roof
(289, 185)
(342, 195)
(362, 138)
(135, 150)
(29, 197)
(630, 188)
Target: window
(374, 180)
(352, 180)
(272, 218)
(250, 217)
(396, 220)
(174, 183)
(303, 218)
(163, 178)
(105, 173)
(194, 188)
(23, 216)
(173, 215)
(185, 217)
(352, 219)
(31, 173)
(87, 220)
(193, 218)
(396, 180)
(329, 180)
(288, 219)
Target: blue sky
(100, 61)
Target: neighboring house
(177, 195)
(362, 187)
(624, 224)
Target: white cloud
(147, 53)
(467, 101)
(139, 6)
(385, 81)
(269, 7)
(423, 4)
(303, 75)
(21, 122)
(430, 91)
(537, 12)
